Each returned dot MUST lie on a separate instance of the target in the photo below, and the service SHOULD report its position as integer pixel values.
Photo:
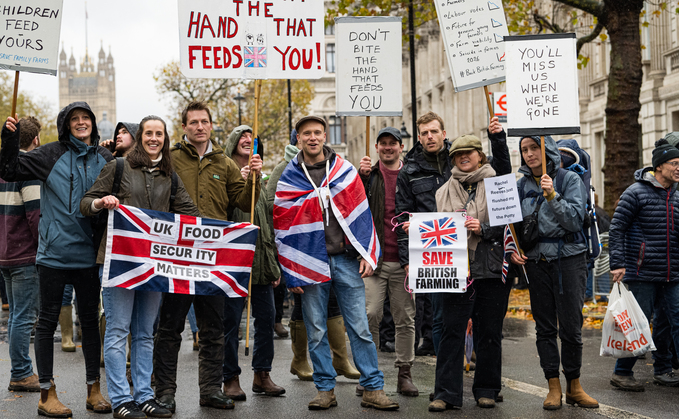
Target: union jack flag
(435, 233)
(299, 221)
(140, 257)
(510, 247)
(255, 56)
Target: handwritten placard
(502, 199)
(368, 78)
(473, 33)
(542, 85)
(252, 39)
(29, 38)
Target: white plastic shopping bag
(625, 332)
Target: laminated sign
(438, 252)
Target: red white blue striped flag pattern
(299, 221)
(510, 247)
(129, 264)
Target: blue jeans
(192, 319)
(264, 312)
(129, 311)
(663, 297)
(67, 299)
(23, 296)
(350, 292)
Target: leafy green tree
(27, 106)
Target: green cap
(466, 143)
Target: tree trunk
(623, 131)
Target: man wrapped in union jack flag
(323, 227)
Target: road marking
(604, 410)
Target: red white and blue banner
(299, 221)
(158, 251)
(438, 252)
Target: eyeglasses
(674, 164)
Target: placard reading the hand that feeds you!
(542, 85)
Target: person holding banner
(265, 276)
(214, 182)
(127, 310)
(555, 261)
(66, 249)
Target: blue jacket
(643, 236)
(67, 169)
(563, 215)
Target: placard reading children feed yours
(542, 85)
(251, 39)
(368, 77)
(438, 252)
(473, 31)
(29, 39)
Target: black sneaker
(128, 410)
(669, 379)
(154, 410)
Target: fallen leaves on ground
(519, 307)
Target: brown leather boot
(262, 384)
(576, 395)
(95, 401)
(50, 406)
(378, 400)
(338, 345)
(553, 400)
(299, 366)
(405, 384)
(233, 391)
(323, 400)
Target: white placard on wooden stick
(473, 33)
(368, 77)
(502, 199)
(542, 85)
(29, 35)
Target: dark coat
(643, 237)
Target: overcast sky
(142, 35)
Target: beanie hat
(663, 152)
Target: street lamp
(405, 135)
(239, 98)
(219, 134)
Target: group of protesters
(314, 197)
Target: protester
(265, 275)
(66, 251)
(19, 216)
(214, 182)
(556, 267)
(643, 250)
(128, 310)
(380, 187)
(336, 194)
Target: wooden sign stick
(255, 134)
(544, 158)
(367, 136)
(15, 95)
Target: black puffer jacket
(643, 237)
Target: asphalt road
(524, 386)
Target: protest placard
(437, 244)
(252, 39)
(157, 251)
(542, 85)
(29, 39)
(502, 199)
(368, 77)
(473, 31)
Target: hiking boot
(338, 344)
(485, 402)
(50, 406)
(218, 400)
(388, 347)
(167, 401)
(425, 349)
(553, 399)
(129, 410)
(405, 384)
(626, 383)
(154, 410)
(29, 384)
(441, 406)
(669, 379)
(262, 384)
(576, 395)
(378, 400)
(324, 400)
(280, 330)
(95, 401)
(359, 390)
(233, 391)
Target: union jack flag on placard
(157, 251)
(299, 221)
(510, 247)
(255, 56)
(436, 233)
